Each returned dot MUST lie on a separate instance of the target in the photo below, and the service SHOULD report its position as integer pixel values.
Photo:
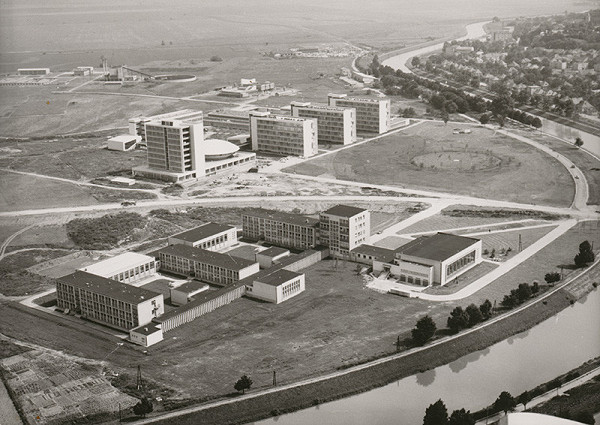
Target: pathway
(10, 239)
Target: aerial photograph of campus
(322, 212)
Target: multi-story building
(283, 135)
(107, 301)
(137, 125)
(210, 236)
(174, 149)
(282, 229)
(342, 228)
(432, 260)
(128, 267)
(208, 266)
(372, 115)
(334, 124)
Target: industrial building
(372, 115)
(277, 286)
(283, 135)
(174, 149)
(107, 301)
(432, 260)
(210, 236)
(334, 124)
(128, 267)
(343, 228)
(205, 265)
(282, 229)
(123, 143)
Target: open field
(47, 236)
(506, 240)
(430, 157)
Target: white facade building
(343, 228)
(124, 142)
(283, 135)
(372, 115)
(277, 287)
(334, 124)
(210, 236)
(128, 267)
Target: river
(519, 363)
(591, 142)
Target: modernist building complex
(372, 115)
(107, 301)
(334, 124)
(128, 267)
(283, 135)
(432, 260)
(282, 229)
(342, 228)
(210, 236)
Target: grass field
(430, 157)
(504, 240)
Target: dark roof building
(438, 247)
(278, 277)
(284, 217)
(202, 232)
(344, 211)
(206, 257)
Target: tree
(504, 402)
(524, 398)
(143, 407)
(424, 330)
(552, 277)
(408, 113)
(243, 384)
(585, 255)
(459, 319)
(445, 116)
(436, 414)
(486, 309)
(474, 314)
(484, 119)
(524, 292)
(578, 142)
(537, 123)
(461, 417)
(416, 61)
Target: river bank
(254, 407)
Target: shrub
(106, 232)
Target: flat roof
(296, 219)
(204, 231)
(208, 257)
(438, 247)
(124, 138)
(191, 286)
(117, 264)
(274, 251)
(344, 211)
(383, 254)
(278, 277)
(148, 329)
(108, 287)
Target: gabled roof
(344, 211)
(202, 232)
(438, 247)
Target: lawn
(430, 157)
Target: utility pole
(274, 378)
(139, 384)
(520, 243)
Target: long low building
(128, 267)
(210, 236)
(433, 260)
(208, 266)
(282, 229)
(107, 301)
(277, 286)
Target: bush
(106, 232)
(216, 59)
(552, 277)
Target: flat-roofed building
(204, 265)
(230, 119)
(334, 124)
(128, 267)
(146, 335)
(372, 115)
(182, 294)
(33, 71)
(137, 125)
(269, 256)
(276, 287)
(282, 229)
(283, 135)
(367, 254)
(124, 142)
(174, 149)
(210, 236)
(343, 228)
(107, 301)
(82, 71)
(433, 260)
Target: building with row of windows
(432, 260)
(372, 115)
(334, 124)
(277, 286)
(107, 301)
(210, 236)
(207, 266)
(342, 228)
(281, 229)
(283, 135)
(129, 267)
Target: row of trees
(521, 294)
(466, 318)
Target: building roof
(124, 138)
(438, 247)
(278, 277)
(117, 264)
(147, 329)
(216, 148)
(528, 418)
(202, 232)
(191, 286)
(344, 211)
(208, 257)
(296, 219)
(381, 254)
(274, 251)
(108, 287)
